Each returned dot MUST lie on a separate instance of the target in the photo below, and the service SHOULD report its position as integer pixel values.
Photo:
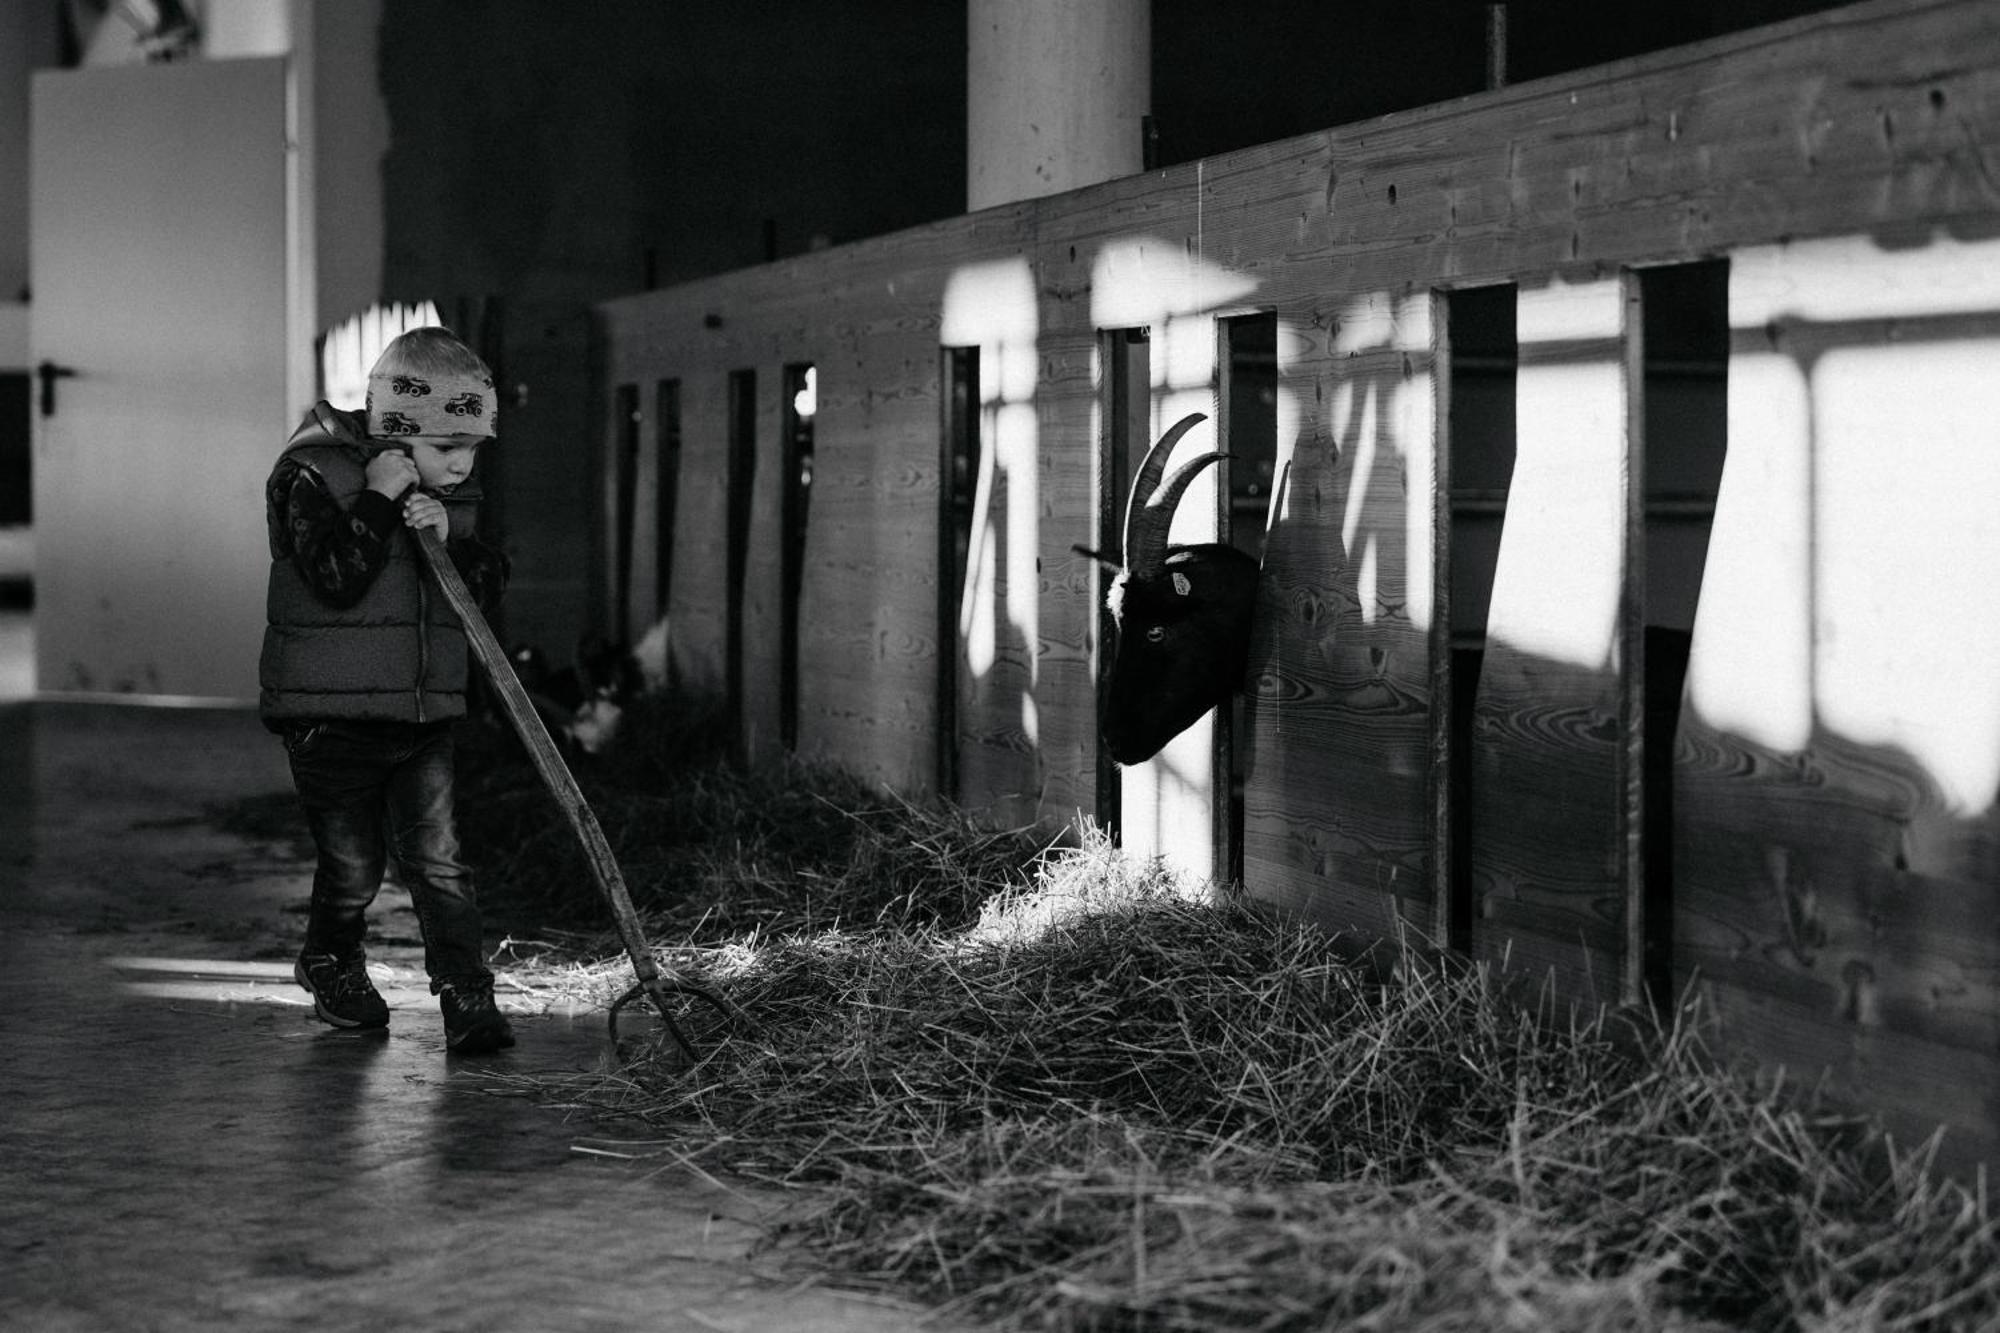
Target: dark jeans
(368, 787)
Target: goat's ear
(1113, 565)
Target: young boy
(364, 668)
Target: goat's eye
(1156, 634)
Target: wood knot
(1860, 999)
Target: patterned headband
(400, 403)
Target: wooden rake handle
(561, 783)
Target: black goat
(1183, 614)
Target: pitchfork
(562, 785)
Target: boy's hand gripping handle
(561, 783)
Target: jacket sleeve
(484, 567)
(338, 552)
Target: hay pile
(1103, 1102)
(711, 852)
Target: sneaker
(342, 993)
(473, 1024)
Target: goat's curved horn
(1153, 467)
(1150, 512)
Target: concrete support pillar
(234, 28)
(1057, 92)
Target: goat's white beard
(595, 725)
(1114, 600)
(651, 654)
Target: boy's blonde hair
(430, 350)
(427, 382)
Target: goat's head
(1183, 615)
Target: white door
(158, 264)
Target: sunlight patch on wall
(976, 629)
(1141, 281)
(1556, 591)
(1365, 324)
(992, 307)
(1850, 277)
(1016, 435)
(1183, 776)
(1907, 557)
(1416, 439)
(1195, 518)
(1294, 347)
(1147, 282)
(348, 350)
(1365, 431)
(1560, 570)
(1856, 541)
(1751, 672)
(1365, 579)
(1379, 412)
(1184, 353)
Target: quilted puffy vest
(398, 654)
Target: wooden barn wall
(1835, 867)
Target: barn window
(957, 487)
(742, 474)
(801, 403)
(1248, 406)
(667, 484)
(1127, 388)
(625, 502)
(1481, 359)
(1685, 378)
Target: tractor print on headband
(410, 385)
(465, 405)
(395, 423)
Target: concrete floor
(182, 1146)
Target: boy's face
(443, 461)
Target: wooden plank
(699, 595)
(1337, 779)
(1437, 640)
(1546, 823)
(644, 592)
(763, 596)
(1632, 616)
(868, 644)
(1065, 683)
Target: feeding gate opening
(1684, 362)
(1482, 358)
(667, 426)
(958, 482)
(625, 503)
(1127, 429)
(801, 404)
(1248, 410)
(742, 474)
